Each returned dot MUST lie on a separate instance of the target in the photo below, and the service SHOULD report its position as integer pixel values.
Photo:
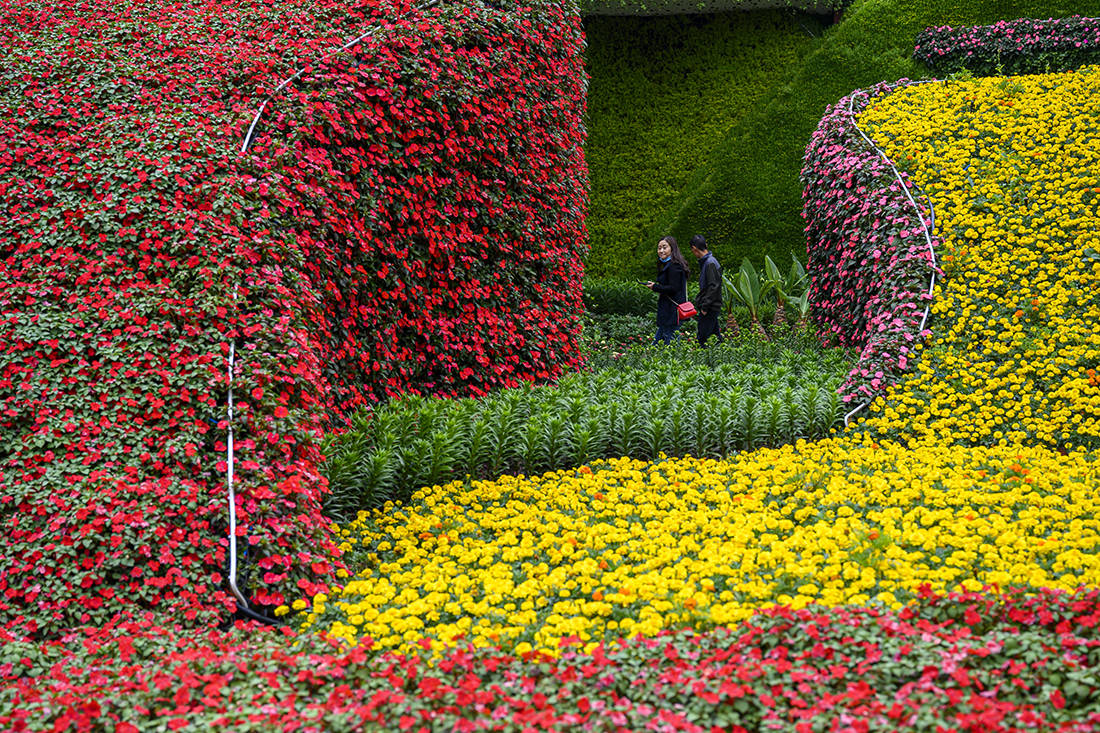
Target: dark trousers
(708, 326)
(665, 335)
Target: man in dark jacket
(709, 302)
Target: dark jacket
(671, 287)
(709, 299)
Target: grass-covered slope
(663, 93)
(143, 258)
(745, 196)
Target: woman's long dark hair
(677, 257)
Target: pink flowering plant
(1020, 46)
(869, 258)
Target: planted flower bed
(1014, 346)
(561, 600)
(1021, 46)
(861, 519)
(641, 403)
(628, 547)
(1010, 662)
(870, 246)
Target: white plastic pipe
(926, 226)
(233, 586)
(229, 484)
(346, 46)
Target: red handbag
(685, 310)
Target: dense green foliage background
(736, 181)
(663, 93)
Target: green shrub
(609, 295)
(676, 400)
(616, 332)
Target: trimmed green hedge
(663, 92)
(744, 193)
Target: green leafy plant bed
(641, 403)
(615, 333)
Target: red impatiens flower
(408, 217)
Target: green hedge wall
(663, 91)
(743, 191)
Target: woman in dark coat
(671, 288)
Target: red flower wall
(409, 218)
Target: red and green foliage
(408, 219)
(1021, 661)
(1020, 46)
(869, 259)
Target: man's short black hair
(699, 243)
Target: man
(709, 302)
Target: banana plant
(786, 286)
(801, 304)
(747, 287)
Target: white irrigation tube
(299, 72)
(924, 224)
(229, 484)
(242, 602)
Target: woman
(671, 287)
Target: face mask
(665, 259)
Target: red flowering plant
(869, 258)
(441, 220)
(348, 254)
(1019, 660)
(1019, 46)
